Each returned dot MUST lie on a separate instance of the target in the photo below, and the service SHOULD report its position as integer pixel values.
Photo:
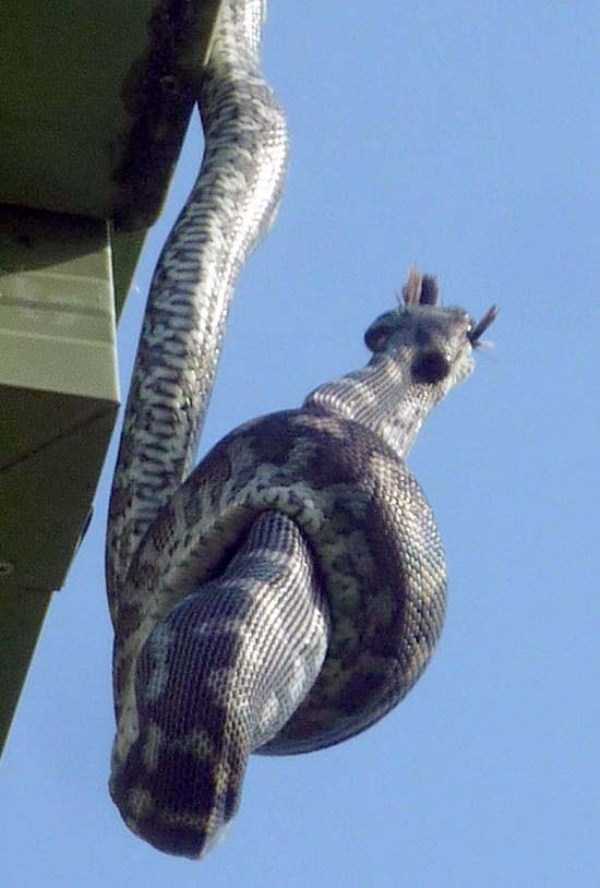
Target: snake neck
(380, 397)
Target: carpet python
(287, 592)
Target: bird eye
(430, 367)
(379, 332)
(375, 340)
(376, 337)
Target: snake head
(432, 343)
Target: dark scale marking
(177, 838)
(360, 689)
(275, 447)
(191, 787)
(129, 619)
(233, 794)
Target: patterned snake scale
(289, 591)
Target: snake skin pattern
(289, 591)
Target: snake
(287, 592)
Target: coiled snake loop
(287, 592)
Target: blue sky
(463, 137)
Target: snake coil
(289, 591)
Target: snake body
(289, 591)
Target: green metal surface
(94, 104)
(23, 613)
(58, 403)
